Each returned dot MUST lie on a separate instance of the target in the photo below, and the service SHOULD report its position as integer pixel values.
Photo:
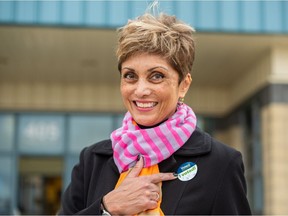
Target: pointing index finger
(156, 178)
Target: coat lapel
(172, 191)
(170, 195)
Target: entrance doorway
(40, 185)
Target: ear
(184, 85)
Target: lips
(145, 104)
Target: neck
(147, 127)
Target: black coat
(218, 188)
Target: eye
(130, 76)
(157, 77)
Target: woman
(158, 162)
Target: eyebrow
(149, 70)
(127, 68)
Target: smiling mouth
(145, 105)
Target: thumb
(134, 172)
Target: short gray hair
(163, 35)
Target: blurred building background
(59, 90)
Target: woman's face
(150, 89)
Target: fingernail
(138, 157)
(175, 174)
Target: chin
(146, 123)
(146, 120)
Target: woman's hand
(136, 193)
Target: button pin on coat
(187, 171)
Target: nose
(142, 89)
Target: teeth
(146, 105)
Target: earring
(181, 100)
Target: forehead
(146, 60)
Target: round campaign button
(187, 171)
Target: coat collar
(198, 144)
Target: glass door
(40, 185)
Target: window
(6, 165)
(6, 132)
(84, 130)
(253, 153)
(42, 134)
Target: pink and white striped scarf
(154, 144)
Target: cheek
(124, 90)
(170, 90)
